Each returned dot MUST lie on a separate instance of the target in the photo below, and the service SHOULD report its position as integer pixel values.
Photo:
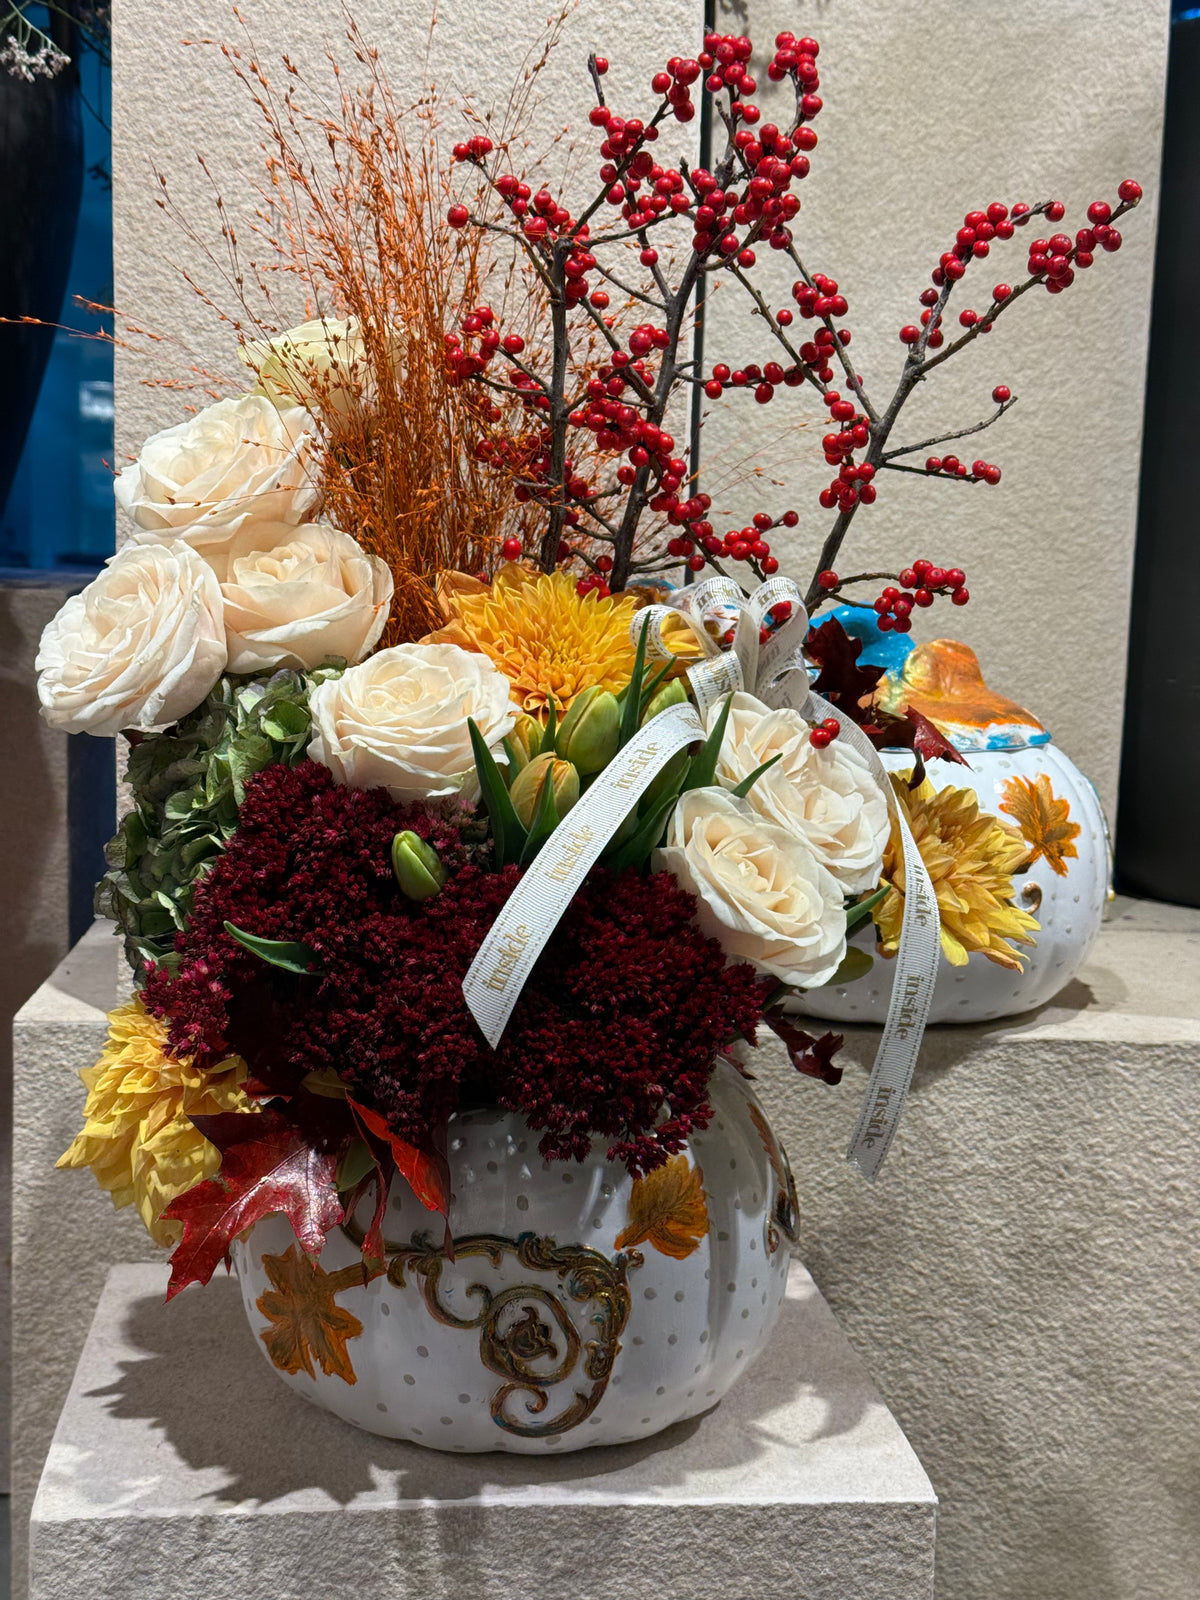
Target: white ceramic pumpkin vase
(1021, 777)
(581, 1307)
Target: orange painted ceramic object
(944, 682)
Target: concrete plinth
(181, 1469)
(1023, 1278)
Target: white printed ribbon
(915, 964)
(777, 675)
(505, 959)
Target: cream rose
(139, 648)
(313, 595)
(760, 890)
(323, 365)
(828, 797)
(398, 721)
(234, 461)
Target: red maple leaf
(914, 732)
(273, 1168)
(427, 1171)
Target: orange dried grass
(354, 211)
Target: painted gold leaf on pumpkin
(1043, 819)
(307, 1323)
(667, 1209)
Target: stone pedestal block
(180, 1469)
(1023, 1277)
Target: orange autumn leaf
(667, 1209)
(1044, 821)
(306, 1321)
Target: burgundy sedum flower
(614, 1035)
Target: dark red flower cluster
(614, 1035)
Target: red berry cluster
(972, 242)
(919, 584)
(952, 467)
(478, 325)
(750, 543)
(824, 733)
(1055, 260)
(853, 482)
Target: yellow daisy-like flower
(137, 1138)
(550, 642)
(970, 857)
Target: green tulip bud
(524, 741)
(526, 788)
(673, 693)
(417, 866)
(588, 734)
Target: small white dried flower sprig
(27, 53)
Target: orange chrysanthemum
(550, 642)
(971, 857)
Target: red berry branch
(581, 409)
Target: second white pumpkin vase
(1019, 776)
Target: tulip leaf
(656, 683)
(635, 851)
(862, 909)
(744, 788)
(703, 771)
(631, 706)
(508, 832)
(514, 766)
(284, 953)
(856, 964)
(545, 819)
(547, 746)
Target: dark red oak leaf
(809, 1055)
(274, 1170)
(842, 681)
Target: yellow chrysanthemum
(549, 642)
(971, 857)
(137, 1138)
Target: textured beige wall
(933, 108)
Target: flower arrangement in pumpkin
(392, 611)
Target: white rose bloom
(828, 797)
(140, 647)
(322, 365)
(232, 462)
(762, 893)
(398, 721)
(313, 595)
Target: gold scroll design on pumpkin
(784, 1215)
(527, 1323)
